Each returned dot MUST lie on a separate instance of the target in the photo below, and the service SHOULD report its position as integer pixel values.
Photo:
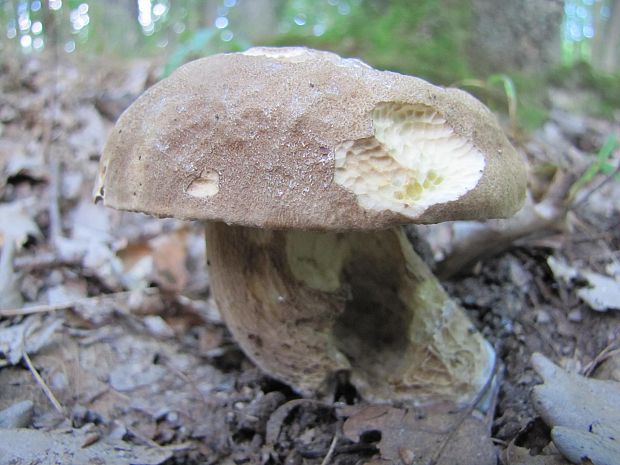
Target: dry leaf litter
(111, 349)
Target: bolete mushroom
(305, 166)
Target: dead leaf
(161, 260)
(30, 335)
(515, 455)
(418, 434)
(103, 263)
(10, 296)
(71, 184)
(17, 223)
(157, 326)
(603, 292)
(17, 415)
(569, 399)
(130, 376)
(584, 413)
(21, 155)
(89, 138)
(169, 255)
(23, 446)
(533, 446)
(277, 420)
(66, 293)
(599, 446)
(90, 222)
(562, 270)
(31, 166)
(138, 267)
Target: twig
(44, 260)
(46, 390)
(464, 415)
(46, 308)
(144, 439)
(583, 199)
(331, 450)
(611, 350)
(539, 218)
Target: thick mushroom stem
(307, 305)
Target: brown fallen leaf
(414, 436)
(277, 420)
(160, 260)
(169, 255)
(516, 455)
(532, 446)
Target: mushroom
(305, 167)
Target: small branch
(497, 237)
(44, 260)
(611, 350)
(332, 449)
(44, 387)
(144, 439)
(46, 308)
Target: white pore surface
(414, 161)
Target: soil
(113, 313)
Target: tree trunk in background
(258, 19)
(606, 45)
(512, 35)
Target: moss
(409, 37)
(521, 96)
(532, 116)
(597, 94)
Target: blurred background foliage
(505, 51)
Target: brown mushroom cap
(296, 138)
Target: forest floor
(109, 330)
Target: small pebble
(18, 415)
(118, 431)
(542, 317)
(157, 326)
(525, 379)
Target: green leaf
(600, 165)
